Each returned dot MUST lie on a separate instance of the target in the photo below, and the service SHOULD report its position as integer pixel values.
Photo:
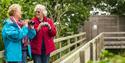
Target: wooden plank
(66, 55)
(114, 42)
(114, 47)
(1, 54)
(113, 33)
(85, 48)
(71, 58)
(114, 38)
(66, 60)
(68, 37)
(30, 62)
(77, 60)
(82, 57)
(66, 47)
(91, 51)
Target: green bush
(108, 57)
(1, 41)
(68, 15)
(1, 60)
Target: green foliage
(67, 14)
(1, 60)
(113, 6)
(1, 43)
(108, 57)
(106, 53)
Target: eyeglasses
(38, 11)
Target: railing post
(75, 41)
(60, 46)
(96, 46)
(102, 41)
(82, 56)
(91, 51)
(68, 44)
(81, 37)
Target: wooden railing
(90, 51)
(75, 48)
(65, 46)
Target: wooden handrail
(90, 51)
(114, 32)
(59, 51)
(69, 37)
(1, 54)
(85, 51)
(80, 41)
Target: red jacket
(48, 35)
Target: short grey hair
(41, 7)
(13, 8)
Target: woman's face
(18, 13)
(39, 13)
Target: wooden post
(60, 46)
(68, 44)
(75, 41)
(91, 51)
(96, 50)
(102, 41)
(98, 47)
(81, 37)
(82, 56)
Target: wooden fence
(114, 40)
(104, 24)
(75, 49)
(90, 51)
(65, 46)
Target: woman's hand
(48, 25)
(25, 44)
(40, 25)
(26, 22)
(44, 24)
(31, 26)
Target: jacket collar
(44, 19)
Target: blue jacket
(12, 38)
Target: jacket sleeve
(15, 34)
(35, 25)
(52, 32)
(31, 33)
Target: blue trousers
(24, 53)
(41, 58)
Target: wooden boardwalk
(75, 48)
(114, 40)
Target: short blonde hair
(41, 7)
(13, 8)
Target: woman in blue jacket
(13, 34)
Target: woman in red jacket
(42, 45)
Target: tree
(67, 14)
(115, 7)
